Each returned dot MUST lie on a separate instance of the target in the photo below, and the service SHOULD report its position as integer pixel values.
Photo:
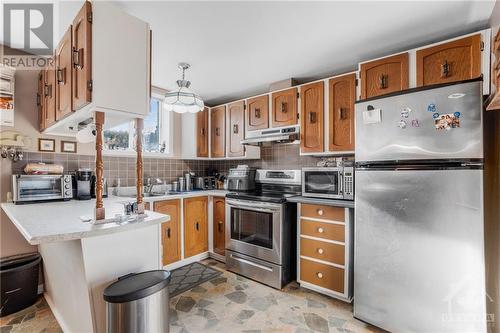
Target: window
(155, 135)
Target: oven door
(254, 229)
(38, 187)
(322, 182)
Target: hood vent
(279, 135)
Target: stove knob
(320, 212)
(319, 275)
(68, 193)
(320, 251)
(321, 230)
(66, 186)
(66, 179)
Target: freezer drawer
(403, 127)
(419, 250)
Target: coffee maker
(83, 184)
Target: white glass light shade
(183, 100)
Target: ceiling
(237, 48)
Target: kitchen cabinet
(46, 98)
(284, 107)
(219, 225)
(383, 76)
(170, 231)
(236, 114)
(342, 95)
(218, 131)
(195, 226)
(311, 118)
(63, 55)
(324, 276)
(82, 57)
(202, 133)
(40, 100)
(257, 113)
(448, 62)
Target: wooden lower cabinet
(219, 225)
(325, 276)
(170, 231)
(331, 231)
(323, 212)
(331, 252)
(195, 226)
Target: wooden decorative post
(139, 125)
(99, 167)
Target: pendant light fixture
(183, 100)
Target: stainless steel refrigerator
(419, 243)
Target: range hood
(279, 135)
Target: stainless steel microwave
(32, 188)
(328, 182)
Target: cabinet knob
(319, 275)
(320, 212)
(320, 251)
(219, 226)
(382, 81)
(168, 232)
(320, 230)
(257, 113)
(445, 69)
(283, 107)
(235, 128)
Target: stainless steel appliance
(93, 184)
(188, 176)
(328, 182)
(241, 178)
(30, 188)
(419, 243)
(209, 183)
(199, 183)
(280, 135)
(83, 184)
(261, 228)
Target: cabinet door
(453, 61)
(384, 76)
(311, 132)
(236, 129)
(342, 95)
(64, 76)
(40, 102)
(49, 97)
(170, 231)
(202, 133)
(257, 113)
(195, 226)
(82, 57)
(219, 225)
(284, 107)
(218, 131)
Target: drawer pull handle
(319, 275)
(321, 230)
(219, 226)
(320, 251)
(320, 212)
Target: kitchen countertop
(321, 201)
(61, 220)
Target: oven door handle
(256, 206)
(248, 262)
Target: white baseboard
(57, 315)
(186, 261)
(217, 256)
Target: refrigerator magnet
(431, 108)
(447, 122)
(373, 116)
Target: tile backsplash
(276, 156)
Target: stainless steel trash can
(138, 303)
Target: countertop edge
(320, 201)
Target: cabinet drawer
(333, 253)
(329, 231)
(325, 276)
(322, 212)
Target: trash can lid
(136, 286)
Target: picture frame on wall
(68, 147)
(46, 145)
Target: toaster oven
(34, 188)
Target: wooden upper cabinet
(40, 102)
(49, 96)
(170, 231)
(219, 225)
(218, 131)
(342, 95)
(384, 76)
(453, 61)
(257, 113)
(202, 133)
(64, 64)
(284, 111)
(195, 226)
(311, 132)
(236, 114)
(82, 57)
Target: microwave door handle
(341, 183)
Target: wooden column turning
(99, 167)
(139, 125)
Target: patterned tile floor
(228, 303)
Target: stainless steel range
(261, 228)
